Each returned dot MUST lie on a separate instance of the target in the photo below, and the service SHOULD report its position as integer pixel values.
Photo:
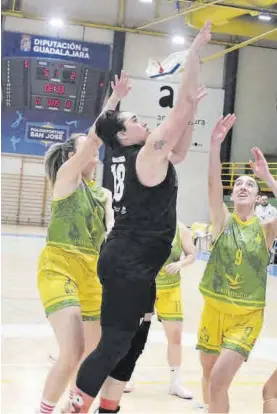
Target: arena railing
(232, 170)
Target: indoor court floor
(27, 341)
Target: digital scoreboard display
(51, 84)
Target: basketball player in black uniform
(145, 192)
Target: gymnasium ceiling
(233, 20)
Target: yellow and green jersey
(236, 274)
(164, 280)
(77, 221)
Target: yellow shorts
(69, 279)
(169, 304)
(232, 331)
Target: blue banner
(28, 132)
(36, 132)
(27, 45)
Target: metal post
(230, 82)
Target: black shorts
(127, 270)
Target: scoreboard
(52, 84)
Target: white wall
(89, 10)
(12, 165)
(192, 203)
(87, 34)
(256, 103)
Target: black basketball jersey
(140, 211)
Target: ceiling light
(178, 40)
(265, 17)
(146, 1)
(56, 23)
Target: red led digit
(73, 75)
(46, 72)
(68, 104)
(53, 103)
(38, 101)
(51, 87)
(48, 87)
(59, 89)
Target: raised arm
(83, 152)
(152, 160)
(261, 170)
(188, 249)
(218, 210)
(121, 87)
(78, 161)
(179, 151)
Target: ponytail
(57, 155)
(53, 162)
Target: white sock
(175, 374)
(176, 387)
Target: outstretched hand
(121, 86)
(203, 37)
(259, 166)
(222, 128)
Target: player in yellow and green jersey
(234, 282)
(81, 215)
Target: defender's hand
(260, 166)
(121, 86)
(222, 128)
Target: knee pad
(113, 345)
(124, 369)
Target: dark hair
(107, 127)
(57, 155)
